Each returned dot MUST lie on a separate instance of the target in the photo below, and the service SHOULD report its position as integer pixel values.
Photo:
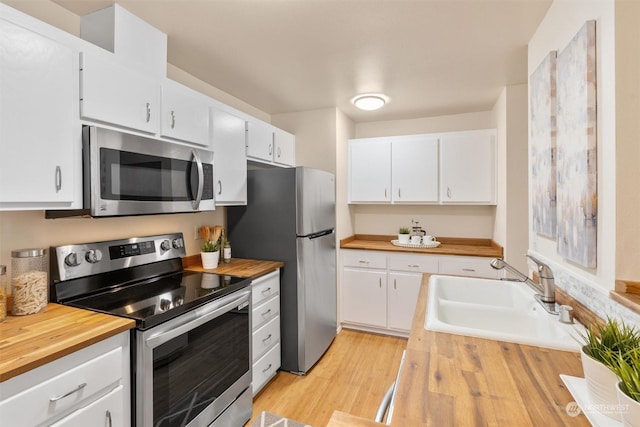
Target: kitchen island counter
(454, 380)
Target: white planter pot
(403, 238)
(629, 409)
(601, 385)
(210, 259)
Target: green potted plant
(626, 367)
(403, 235)
(602, 343)
(210, 251)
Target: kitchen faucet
(546, 289)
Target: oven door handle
(200, 317)
(196, 202)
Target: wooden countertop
(27, 342)
(453, 380)
(237, 267)
(448, 246)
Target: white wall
(562, 21)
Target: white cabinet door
(370, 171)
(114, 94)
(285, 147)
(39, 142)
(260, 141)
(229, 157)
(403, 289)
(364, 297)
(185, 114)
(467, 167)
(414, 167)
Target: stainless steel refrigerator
(290, 217)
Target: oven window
(192, 370)
(133, 176)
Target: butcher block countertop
(237, 267)
(448, 245)
(27, 342)
(453, 380)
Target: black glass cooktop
(156, 300)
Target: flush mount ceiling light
(369, 102)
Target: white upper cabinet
(230, 161)
(39, 129)
(285, 147)
(115, 94)
(184, 114)
(467, 167)
(370, 170)
(414, 169)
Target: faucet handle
(566, 315)
(543, 269)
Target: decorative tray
(434, 244)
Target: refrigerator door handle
(318, 234)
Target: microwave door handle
(196, 202)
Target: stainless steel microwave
(125, 174)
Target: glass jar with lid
(29, 281)
(3, 292)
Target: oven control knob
(165, 245)
(165, 304)
(72, 260)
(93, 256)
(177, 300)
(178, 243)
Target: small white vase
(210, 259)
(601, 385)
(403, 238)
(629, 409)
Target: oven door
(190, 369)
(132, 175)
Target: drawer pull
(363, 262)
(468, 269)
(265, 370)
(266, 339)
(266, 313)
(266, 291)
(380, 280)
(413, 266)
(109, 422)
(62, 396)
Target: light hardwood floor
(352, 377)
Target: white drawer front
(265, 368)
(479, 267)
(266, 337)
(47, 399)
(106, 411)
(265, 312)
(265, 287)
(364, 259)
(415, 263)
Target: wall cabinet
(454, 167)
(268, 144)
(379, 289)
(467, 165)
(265, 323)
(184, 114)
(229, 157)
(285, 147)
(39, 130)
(115, 94)
(88, 387)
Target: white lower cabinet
(265, 323)
(88, 387)
(380, 289)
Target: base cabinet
(402, 293)
(265, 323)
(364, 298)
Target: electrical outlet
(196, 233)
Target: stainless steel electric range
(191, 347)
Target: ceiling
(430, 57)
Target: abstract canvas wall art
(577, 199)
(543, 146)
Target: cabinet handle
(468, 269)
(399, 196)
(265, 370)
(380, 280)
(266, 313)
(448, 192)
(58, 179)
(363, 262)
(148, 112)
(266, 291)
(394, 284)
(219, 187)
(173, 119)
(270, 149)
(413, 266)
(385, 193)
(69, 393)
(109, 422)
(279, 152)
(266, 339)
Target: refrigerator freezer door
(317, 312)
(316, 201)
